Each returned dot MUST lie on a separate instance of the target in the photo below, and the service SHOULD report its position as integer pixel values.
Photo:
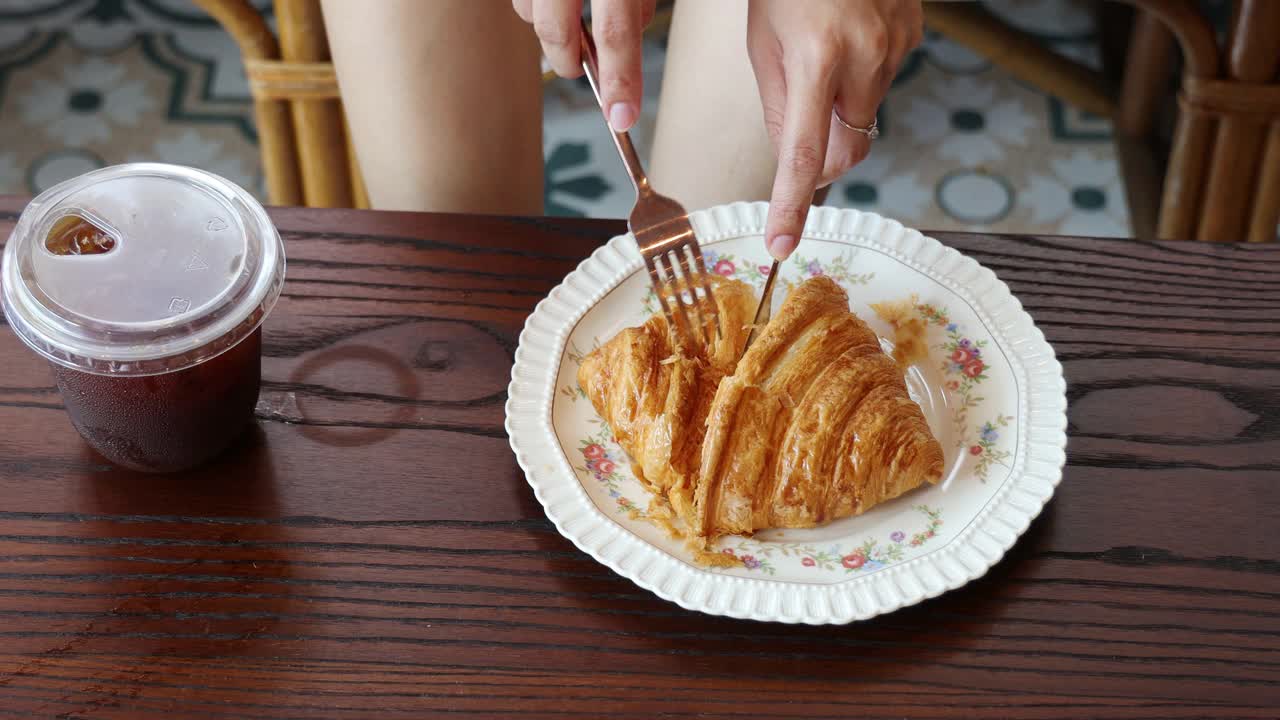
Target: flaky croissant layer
(813, 424)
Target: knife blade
(765, 310)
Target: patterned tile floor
(85, 83)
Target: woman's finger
(864, 76)
(557, 23)
(914, 22)
(617, 27)
(855, 103)
(801, 154)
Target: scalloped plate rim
(605, 530)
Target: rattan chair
(306, 156)
(1223, 175)
(1221, 180)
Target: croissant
(813, 424)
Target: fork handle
(621, 140)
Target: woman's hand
(616, 26)
(810, 57)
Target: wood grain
(373, 551)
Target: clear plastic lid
(141, 269)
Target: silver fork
(663, 233)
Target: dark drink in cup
(161, 423)
(145, 286)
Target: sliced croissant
(654, 388)
(813, 424)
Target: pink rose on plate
(724, 267)
(974, 368)
(961, 356)
(594, 451)
(854, 560)
(808, 562)
(606, 467)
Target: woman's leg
(444, 100)
(710, 145)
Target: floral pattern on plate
(958, 356)
(966, 369)
(867, 556)
(604, 460)
(851, 568)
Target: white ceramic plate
(992, 391)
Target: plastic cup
(145, 285)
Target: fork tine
(659, 224)
(688, 278)
(673, 280)
(659, 289)
(712, 308)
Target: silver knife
(765, 310)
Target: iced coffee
(146, 287)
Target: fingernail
(781, 246)
(622, 116)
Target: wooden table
(372, 551)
